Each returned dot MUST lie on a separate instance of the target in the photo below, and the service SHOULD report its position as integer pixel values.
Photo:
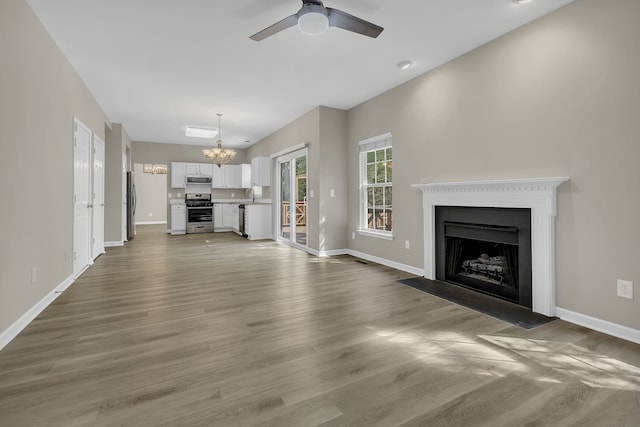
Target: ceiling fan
(314, 18)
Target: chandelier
(155, 169)
(219, 155)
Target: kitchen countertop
(243, 201)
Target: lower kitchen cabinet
(223, 217)
(257, 222)
(178, 219)
(235, 219)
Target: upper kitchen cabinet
(232, 176)
(261, 171)
(217, 177)
(204, 169)
(178, 172)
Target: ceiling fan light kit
(313, 23)
(522, 1)
(314, 18)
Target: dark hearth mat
(500, 309)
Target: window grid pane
(378, 189)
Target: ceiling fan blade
(287, 22)
(340, 19)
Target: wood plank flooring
(215, 330)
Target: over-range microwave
(198, 179)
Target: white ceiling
(157, 66)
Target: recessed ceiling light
(201, 132)
(403, 65)
(522, 1)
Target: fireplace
(535, 194)
(485, 249)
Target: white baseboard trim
(324, 254)
(12, 331)
(113, 244)
(150, 222)
(599, 325)
(398, 266)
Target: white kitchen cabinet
(227, 216)
(178, 173)
(217, 177)
(261, 171)
(235, 219)
(178, 219)
(231, 176)
(245, 175)
(257, 221)
(217, 217)
(198, 169)
(192, 169)
(223, 216)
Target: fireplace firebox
(485, 249)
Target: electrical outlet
(332, 193)
(353, 235)
(169, 195)
(407, 244)
(233, 194)
(34, 275)
(625, 288)
(150, 213)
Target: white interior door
(81, 196)
(98, 197)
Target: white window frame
(370, 144)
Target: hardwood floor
(215, 330)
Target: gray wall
(151, 196)
(333, 176)
(152, 152)
(324, 130)
(40, 94)
(117, 145)
(559, 97)
(305, 129)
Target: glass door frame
(290, 157)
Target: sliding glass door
(292, 206)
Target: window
(376, 190)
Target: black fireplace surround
(485, 249)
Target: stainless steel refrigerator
(131, 206)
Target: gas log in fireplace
(485, 249)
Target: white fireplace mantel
(537, 194)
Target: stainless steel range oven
(199, 213)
